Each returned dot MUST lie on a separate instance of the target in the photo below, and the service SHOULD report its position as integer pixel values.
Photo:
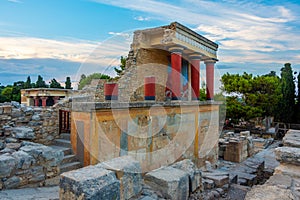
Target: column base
(176, 98)
(149, 98)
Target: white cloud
(15, 1)
(141, 18)
(240, 27)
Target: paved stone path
(41, 193)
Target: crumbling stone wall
(35, 124)
(142, 63)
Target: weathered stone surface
(89, 183)
(24, 160)
(172, 183)
(23, 132)
(129, 173)
(288, 155)
(269, 192)
(280, 180)
(219, 180)
(2, 144)
(7, 165)
(292, 138)
(188, 166)
(12, 182)
(288, 169)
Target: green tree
(202, 92)
(40, 83)
(54, 84)
(16, 92)
(122, 66)
(88, 79)
(28, 83)
(7, 92)
(68, 83)
(251, 96)
(297, 110)
(287, 105)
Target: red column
(176, 73)
(44, 101)
(56, 99)
(36, 101)
(195, 77)
(149, 88)
(111, 91)
(210, 65)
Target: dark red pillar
(210, 65)
(36, 101)
(44, 101)
(176, 73)
(111, 91)
(56, 99)
(195, 77)
(149, 88)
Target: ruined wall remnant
(285, 182)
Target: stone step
(65, 136)
(67, 151)
(62, 143)
(70, 166)
(69, 159)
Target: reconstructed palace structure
(152, 112)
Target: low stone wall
(32, 163)
(36, 124)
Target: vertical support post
(176, 63)
(36, 101)
(111, 91)
(210, 65)
(195, 76)
(44, 101)
(149, 88)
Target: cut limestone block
(269, 192)
(219, 178)
(89, 183)
(289, 155)
(172, 183)
(292, 138)
(188, 166)
(129, 173)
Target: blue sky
(59, 38)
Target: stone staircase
(70, 162)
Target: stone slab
(89, 183)
(188, 166)
(289, 155)
(129, 173)
(171, 182)
(269, 192)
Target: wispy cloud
(141, 18)
(243, 29)
(15, 1)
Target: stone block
(12, 182)
(269, 192)
(23, 132)
(194, 174)
(7, 109)
(7, 165)
(172, 183)
(89, 183)
(292, 138)
(219, 178)
(129, 173)
(289, 155)
(24, 160)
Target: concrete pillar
(176, 63)
(149, 88)
(36, 101)
(195, 76)
(44, 101)
(210, 65)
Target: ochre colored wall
(155, 136)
